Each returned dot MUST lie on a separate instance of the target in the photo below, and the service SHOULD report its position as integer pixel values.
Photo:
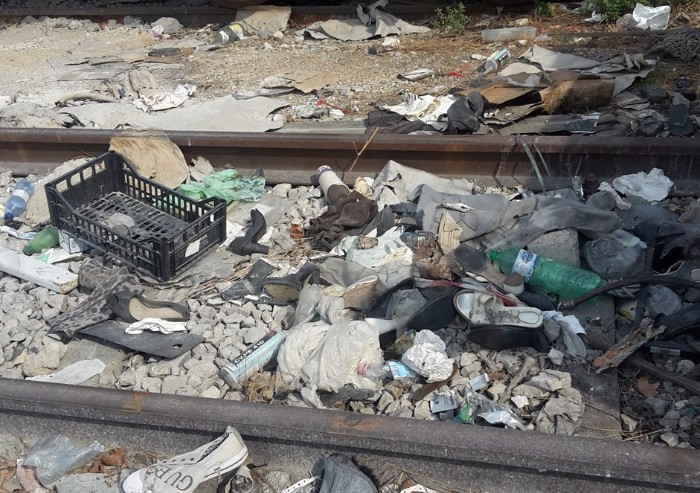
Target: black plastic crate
(171, 231)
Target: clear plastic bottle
(45, 239)
(15, 205)
(554, 277)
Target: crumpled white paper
(155, 325)
(570, 328)
(428, 358)
(652, 186)
(157, 100)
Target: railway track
(464, 459)
(198, 16)
(293, 158)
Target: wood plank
(40, 273)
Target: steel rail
(293, 158)
(462, 457)
(197, 16)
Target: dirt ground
(364, 80)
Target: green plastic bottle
(45, 239)
(554, 277)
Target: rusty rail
(293, 158)
(463, 458)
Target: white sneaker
(183, 473)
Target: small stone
(74, 24)
(685, 445)
(519, 401)
(657, 406)
(395, 389)
(281, 190)
(278, 35)
(151, 384)
(172, 383)
(552, 329)
(207, 313)
(685, 423)
(670, 419)
(670, 439)
(211, 393)
(254, 334)
(422, 410)
(629, 423)
(186, 390)
(496, 390)
(654, 94)
(202, 369)
(384, 401)
(160, 370)
(45, 360)
(684, 366)
(555, 356)
(170, 25)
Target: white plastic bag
(301, 342)
(326, 356)
(654, 18)
(652, 187)
(334, 364)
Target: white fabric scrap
(428, 358)
(652, 186)
(74, 374)
(570, 329)
(155, 325)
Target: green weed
(543, 9)
(452, 19)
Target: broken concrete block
(520, 401)
(558, 245)
(552, 380)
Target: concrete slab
(558, 245)
(84, 349)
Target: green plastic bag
(226, 184)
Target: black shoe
(247, 245)
(287, 288)
(132, 307)
(499, 337)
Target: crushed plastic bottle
(15, 205)
(554, 277)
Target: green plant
(543, 9)
(612, 10)
(453, 19)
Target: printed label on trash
(192, 248)
(525, 264)
(21, 193)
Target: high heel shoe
(247, 245)
(287, 288)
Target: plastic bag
(334, 363)
(301, 342)
(55, 455)
(570, 328)
(654, 18)
(478, 405)
(309, 297)
(226, 184)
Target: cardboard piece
(154, 156)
